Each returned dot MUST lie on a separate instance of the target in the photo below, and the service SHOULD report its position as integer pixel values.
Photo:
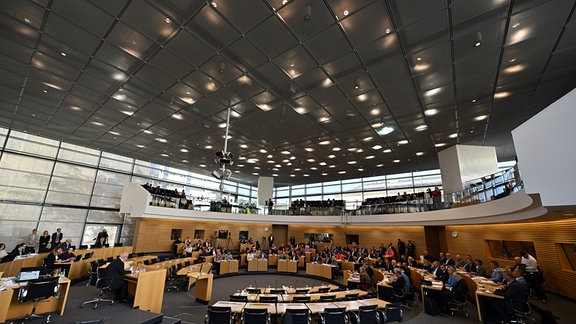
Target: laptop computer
(78, 258)
(27, 275)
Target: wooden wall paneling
(545, 235)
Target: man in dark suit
(56, 238)
(515, 297)
(116, 270)
(449, 260)
(456, 293)
(66, 245)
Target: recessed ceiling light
(346, 12)
(368, 139)
(255, 173)
(264, 107)
(257, 168)
(222, 125)
(402, 142)
(165, 155)
(263, 151)
(480, 118)
(515, 25)
(269, 156)
(141, 146)
(396, 161)
(453, 135)
(376, 147)
(419, 58)
(300, 110)
(161, 140)
(288, 164)
(243, 146)
(275, 169)
(167, 20)
(313, 168)
(292, 175)
(285, 161)
(285, 152)
(324, 119)
(419, 153)
(292, 158)
(324, 143)
(351, 162)
(388, 30)
(97, 123)
(305, 175)
(63, 54)
(147, 131)
(387, 151)
(499, 95)
(514, 68)
(341, 172)
(377, 125)
(274, 174)
(430, 112)
(278, 165)
(360, 169)
(178, 116)
(322, 163)
(208, 147)
(297, 169)
(379, 165)
(335, 149)
(324, 173)
(370, 157)
(183, 150)
(128, 113)
(251, 161)
(27, 20)
(359, 150)
(473, 100)
(352, 149)
(386, 130)
(331, 156)
(111, 132)
(271, 161)
(331, 166)
(201, 165)
(311, 160)
(421, 128)
(78, 108)
(375, 112)
(439, 144)
(432, 92)
(309, 149)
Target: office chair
(255, 316)
(302, 291)
(368, 315)
(278, 291)
(103, 284)
(393, 313)
(323, 289)
(301, 299)
(218, 315)
(252, 291)
(354, 296)
(400, 297)
(37, 290)
(327, 298)
(268, 299)
(334, 316)
(524, 315)
(238, 298)
(173, 282)
(93, 272)
(456, 305)
(296, 316)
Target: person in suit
(20, 249)
(496, 274)
(442, 274)
(455, 293)
(480, 270)
(116, 270)
(449, 260)
(44, 242)
(66, 245)
(101, 243)
(56, 238)
(515, 297)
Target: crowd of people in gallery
(61, 250)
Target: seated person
(496, 275)
(398, 283)
(228, 256)
(101, 243)
(365, 280)
(480, 270)
(116, 270)
(456, 293)
(20, 249)
(250, 255)
(53, 257)
(3, 252)
(515, 297)
(67, 255)
(442, 273)
(187, 252)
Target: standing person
(533, 275)
(56, 238)
(411, 249)
(31, 241)
(103, 234)
(270, 206)
(44, 242)
(401, 247)
(3, 252)
(116, 270)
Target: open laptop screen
(28, 275)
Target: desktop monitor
(28, 275)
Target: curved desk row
(314, 308)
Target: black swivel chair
(303, 291)
(93, 272)
(255, 316)
(254, 291)
(37, 290)
(296, 316)
(323, 289)
(268, 299)
(301, 299)
(103, 284)
(354, 296)
(238, 298)
(218, 315)
(369, 315)
(334, 316)
(278, 291)
(327, 298)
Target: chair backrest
(38, 289)
(78, 258)
(268, 299)
(186, 263)
(335, 315)
(277, 291)
(146, 262)
(103, 282)
(238, 298)
(301, 299)
(253, 290)
(296, 316)
(353, 296)
(368, 315)
(302, 291)
(255, 316)
(218, 315)
(328, 298)
(323, 289)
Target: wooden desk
(253, 265)
(147, 289)
(262, 264)
(319, 269)
(203, 289)
(228, 266)
(11, 308)
(482, 294)
(287, 266)
(236, 307)
(273, 259)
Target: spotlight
(222, 67)
(307, 12)
(356, 84)
(478, 39)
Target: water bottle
(63, 274)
